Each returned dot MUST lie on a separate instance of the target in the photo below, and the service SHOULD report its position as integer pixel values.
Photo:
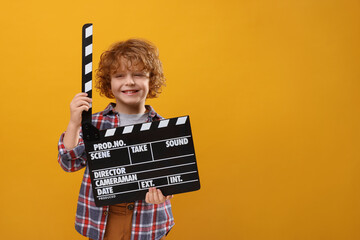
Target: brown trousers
(118, 226)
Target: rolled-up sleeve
(74, 159)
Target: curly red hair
(135, 51)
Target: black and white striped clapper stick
(89, 131)
(87, 46)
(125, 162)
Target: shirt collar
(110, 109)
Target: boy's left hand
(155, 196)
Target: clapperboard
(125, 162)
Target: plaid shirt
(150, 221)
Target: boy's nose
(129, 79)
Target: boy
(130, 72)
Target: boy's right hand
(79, 104)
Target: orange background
(272, 89)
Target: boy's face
(130, 86)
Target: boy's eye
(139, 74)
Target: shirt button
(105, 213)
(130, 206)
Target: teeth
(132, 91)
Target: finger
(150, 196)
(169, 197)
(161, 196)
(147, 197)
(81, 99)
(84, 108)
(80, 104)
(80, 94)
(155, 195)
(157, 198)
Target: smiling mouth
(130, 91)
